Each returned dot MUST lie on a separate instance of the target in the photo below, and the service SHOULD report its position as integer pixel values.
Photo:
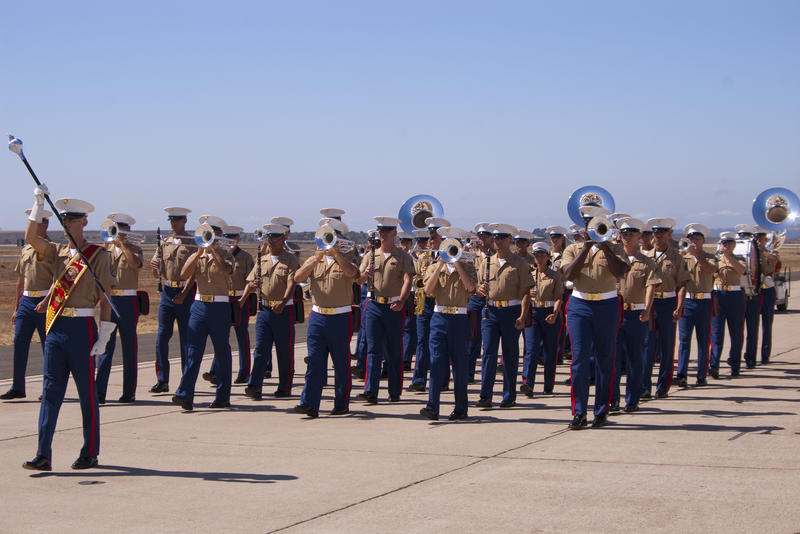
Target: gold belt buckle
(449, 309)
(232, 293)
(592, 296)
(326, 311)
(204, 298)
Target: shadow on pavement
(124, 471)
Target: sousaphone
(416, 209)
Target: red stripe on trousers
(92, 397)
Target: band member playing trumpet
(126, 260)
(211, 267)
(697, 305)
(593, 318)
(176, 296)
(391, 271)
(275, 320)
(731, 305)
(506, 288)
(330, 328)
(451, 285)
(637, 289)
(34, 277)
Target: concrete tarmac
(722, 458)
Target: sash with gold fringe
(65, 283)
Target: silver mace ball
(15, 145)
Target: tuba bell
(776, 208)
(416, 209)
(588, 195)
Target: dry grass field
(790, 255)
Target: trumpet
(599, 229)
(451, 251)
(684, 244)
(258, 233)
(326, 239)
(204, 236)
(110, 232)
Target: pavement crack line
(478, 460)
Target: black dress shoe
(241, 380)
(578, 422)
(281, 394)
(508, 404)
(312, 413)
(646, 395)
(160, 387)
(340, 411)
(524, 388)
(430, 414)
(210, 377)
(568, 382)
(220, 404)
(700, 382)
(101, 399)
(39, 463)
(455, 416)
(253, 393)
(661, 394)
(183, 402)
(714, 372)
(407, 366)
(268, 374)
(420, 388)
(735, 372)
(301, 408)
(681, 382)
(529, 393)
(548, 392)
(12, 394)
(764, 361)
(126, 399)
(369, 398)
(614, 408)
(85, 462)
(357, 372)
(394, 398)
(630, 408)
(483, 403)
(600, 420)
(471, 380)
(446, 388)
(750, 366)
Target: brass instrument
(684, 244)
(451, 251)
(204, 236)
(776, 208)
(599, 229)
(416, 209)
(109, 232)
(424, 255)
(588, 195)
(326, 238)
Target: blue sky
(249, 110)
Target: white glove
(106, 331)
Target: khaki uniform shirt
(85, 294)
(275, 275)
(700, 281)
(595, 275)
(330, 286)
(37, 275)
(528, 257)
(670, 268)
(507, 282)
(209, 276)
(555, 260)
(643, 273)
(242, 265)
(389, 271)
(175, 253)
(726, 274)
(127, 276)
(449, 289)
(549, 286)
(767, 268)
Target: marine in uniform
(451, 285)
(410, 328)
(557, 236)
(34, 277)
(359, 369)
(541, 337)
(210, 266)
(637, 289)
(752, 303)
(424, 303)
(126, 261)
(73, 339)
(177, 295)
(242, 265)
(482, 247)
(667, 307)
(730, 301)
(697, 305)
(508, 302)
(275, 319)
(330, 328)
(593, 318)
(769, 264)
(391, 276)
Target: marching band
(613, 298)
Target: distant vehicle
(783, 288)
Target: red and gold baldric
(65, 283)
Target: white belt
(77, 312)
(235, 292)
(767, 282)
(633, 306)
(122, 292)
(42, 293)
(170, 283)
(594, 296)
(664, 294)
(727, 288)
(212, 298)
(453, 310)
(699, 296)
(331, 311)
(544, 303)
(273, 303)
(504, 303)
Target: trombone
(204, 236)
(451, 251)
(325, 239)
(110, 232)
